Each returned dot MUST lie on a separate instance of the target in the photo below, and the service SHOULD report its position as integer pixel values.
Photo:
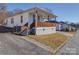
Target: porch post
(55, 20)
(36, 18)
(48, 18)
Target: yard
(52, 40)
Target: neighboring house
(65, 27)
(35, 18)
(62, 26)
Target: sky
(68, 12)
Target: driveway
(14, 45)
(71, 47)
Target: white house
(35, 18)
(65, 27)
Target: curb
(61, 46)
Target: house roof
(35, 8)
(44, 24)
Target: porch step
(24, 33)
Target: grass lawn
(53, 40)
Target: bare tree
(17, 11)
(10, 13)
(3, 12)
(3, 7)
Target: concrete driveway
(71, 47)
(14, 45)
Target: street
(11, 44)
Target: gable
(39, 10)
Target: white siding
(59, 27)
(17, 20)
(45, 30)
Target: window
(43, 29)
(21, 19)
(12, 20)
(52, 28)
(38, 18)
(33, 18)
(6, 22)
